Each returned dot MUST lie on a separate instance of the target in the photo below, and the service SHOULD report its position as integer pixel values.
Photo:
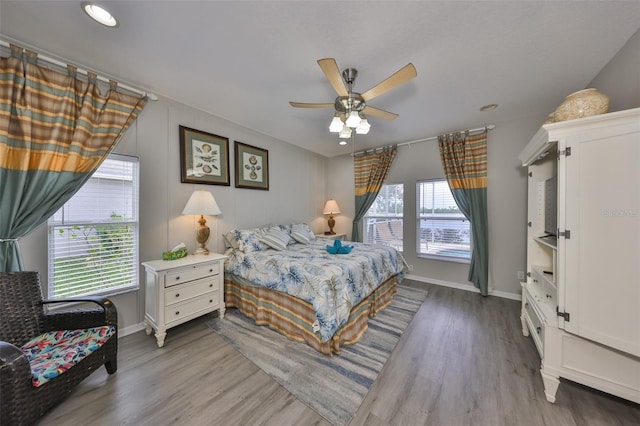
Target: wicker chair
(22, 318)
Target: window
(93, 238)
(443, 231)
(383, 221)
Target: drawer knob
(177, 278)
(535, 281)
(210, 285)
(549, 296)
(210, 270)
(210, 300)
(177, 294)
(538, 330)
(526, 305)
(177, 312)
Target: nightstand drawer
(192, 273)
(176, 294)
(206, 302)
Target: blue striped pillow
(276, 239)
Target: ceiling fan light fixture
(336, 124)
(363, 127)
(345, 133)
(353, 119)
(342, 142)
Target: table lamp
(200, 203)
(330, 208)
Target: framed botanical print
(204, 157)
(252, 167)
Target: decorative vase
(583, 103)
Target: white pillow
(276, 238)
(302, 233)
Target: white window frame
(422, 247)
(65, 235)
(371, 218)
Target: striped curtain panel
(464, 159)
(55, 130)
(370, 172)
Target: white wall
(620, 78)
(296, 192)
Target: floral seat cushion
(53, 353)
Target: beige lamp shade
(330, 208)
(201, 203)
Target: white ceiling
(244, 61)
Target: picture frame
(204, 157)
(252, 167)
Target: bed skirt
(294, 317)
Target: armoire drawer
(536, 325)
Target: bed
(283, 277)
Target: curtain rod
(431, 138)
(82, 70)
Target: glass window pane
(93, 238)
(383, 223)
(442, 230)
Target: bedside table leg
(147, 328)
(221, 312)
(160, 338)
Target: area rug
(332, 386)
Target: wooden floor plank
(462, 361)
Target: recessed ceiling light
(488, 107)
(342, 142)
(99, 14)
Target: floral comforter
(332, 283)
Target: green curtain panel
(370, 169)
(55, 130)
(464, 158)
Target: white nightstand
(333, 237)
(177, 291)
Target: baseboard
(466, 287)
(130, 330)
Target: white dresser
(177, 291)
(581, 299)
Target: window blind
(93, 238)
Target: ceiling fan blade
(308, 105)
(332, 72)
(401, 76)
(379, 113)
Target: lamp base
(202, 235)
(331, 222)
(202, 251)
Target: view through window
(93, 238)
(383, 223)
(443, 232)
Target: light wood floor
(462, 361)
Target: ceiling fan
(351, 107)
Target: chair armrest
(15, 372)
(105, 314)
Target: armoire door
(602, 212)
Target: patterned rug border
(336, 386)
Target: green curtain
(55, 130)
(464, 159)
(370, 171)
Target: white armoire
(581, 298)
